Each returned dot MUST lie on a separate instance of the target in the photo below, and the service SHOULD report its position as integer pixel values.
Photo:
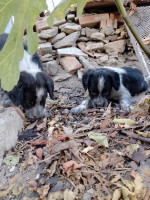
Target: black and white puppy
(110, 83)
(32, 87)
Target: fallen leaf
(117, 194)
(140, 188)
(39, 153)
(42, 125)
(33, 184)
(43, 191)
(125, 121)
(69, 195)
(101, 138)
(71, 165)
(128, 184)
(11, 160)
(87, 149)
(144, 133)
(131, 148)
(63, 138)
(138, 156)
(127, 195)
(55, 195)
(143, 107)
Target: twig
(49, 157)
(135, 136)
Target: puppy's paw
(126, 107)
(76, 110)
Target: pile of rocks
(74, 45)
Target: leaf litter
(99, 154)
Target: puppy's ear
(85, 79)
(50, 86)
(16, 94)
(115, 79)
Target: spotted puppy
(32, 87)
(110, 83)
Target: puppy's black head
(99, 83)
(31, 93)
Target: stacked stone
(73, 41)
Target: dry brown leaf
(69, 195)
(52, 169)
(39, 153)
(55, 195)
(87, 149)
(42, 125)
(143, 107)
(117, 194)
(71, 165)
(131, 148)
(144, 133)
(132, 9)
(140, 189)
(12, 183)
(43, 191)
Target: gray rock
(62, 77)
(44, 48)
(117, 46)
(70, 28)
(51, 67)
(107, 31)
(58, 37)
(89, 31)
(103, 59)
(46, 58)
(87, 65)
(83, 39)
(83, 31)
(70, 16)
(97, 36)
(68, 41)
(96, 46)
(70, 64)
(72, 51)
(49, 33)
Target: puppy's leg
(125, 101)
(80, 108)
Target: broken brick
(92, 20)
(110, 23)
(114, 16)
(103, 23)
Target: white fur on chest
(27, 65)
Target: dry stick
(135, 136)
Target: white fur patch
(80, 108)
(39, 94)
(101, 82)
(118, 70)
(27, 65)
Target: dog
(107, 84)
(32, 87)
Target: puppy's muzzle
(36, 112)
(98, 102)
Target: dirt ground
(56, 159)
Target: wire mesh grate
(141, 22)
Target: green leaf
(11, 160)
(124, 121)
(25, 13)
(101, 138)
(60, 11)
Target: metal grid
(141, 22)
